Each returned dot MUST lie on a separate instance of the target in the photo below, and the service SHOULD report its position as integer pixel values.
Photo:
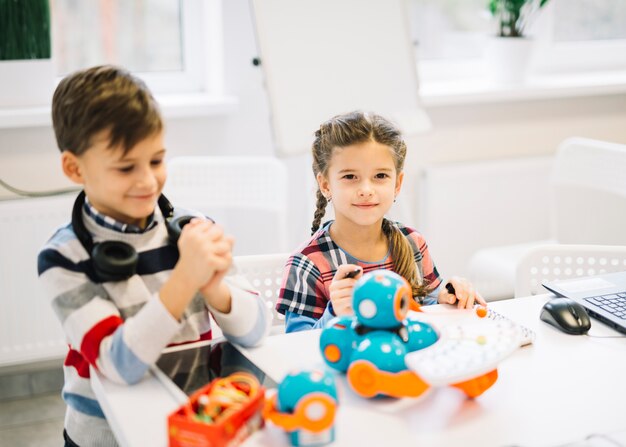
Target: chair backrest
(589, 192)
(265, 273)
(561, 261)
(246, 195)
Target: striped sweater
(120, 328)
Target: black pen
(450, 289)
(353, 273)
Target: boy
(121, 284)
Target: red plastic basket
(231, 431)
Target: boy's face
(124, 187)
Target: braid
(319, 211)
(403, 259)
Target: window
(167, 43)
(581, 20)
(582, 35)
(450, 36)
(449, 29)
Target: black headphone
(117, 260)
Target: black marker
(353, 273)
(450, 289)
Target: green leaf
(512, 14)
(493, 7)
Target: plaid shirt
(112, 224)
(309, 272)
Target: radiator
(464, 207)
(29, 330)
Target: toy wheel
(316, 412)
(363, 378)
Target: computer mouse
(567, 315)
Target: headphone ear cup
(175, 227)
(114, 260)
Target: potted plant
(508, 53)
(514, 15)
(26, 68)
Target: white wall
(29, 158)
(522, 128)
(502, 132)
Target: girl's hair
(355, 128)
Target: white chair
(246, 195)
(589, 192)
(589, 205)
(561, 261)
(265, 273)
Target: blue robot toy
(305, 405)
(370, 346)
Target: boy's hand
(205, 256)
(215, 292)
(204, 250)
(341, 288)
(465, 296)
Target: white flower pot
(508, 59)
(26, 83)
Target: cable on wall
(33, 194)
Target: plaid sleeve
(302, 291)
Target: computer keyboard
(614, 303)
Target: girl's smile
(365, 205)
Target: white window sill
(433, 93)
(172, 107)
(537, 87)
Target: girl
(357, 160)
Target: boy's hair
(355, 128)
(103, 98)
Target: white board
(321, 58)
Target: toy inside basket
(203, 421)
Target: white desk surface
(561, 389)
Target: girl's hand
(341, 288)
(465, 296)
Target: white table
(561, 389)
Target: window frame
(202, 53)
(197, 90)
(549, 57)
(589, 55)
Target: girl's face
(362, 182)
